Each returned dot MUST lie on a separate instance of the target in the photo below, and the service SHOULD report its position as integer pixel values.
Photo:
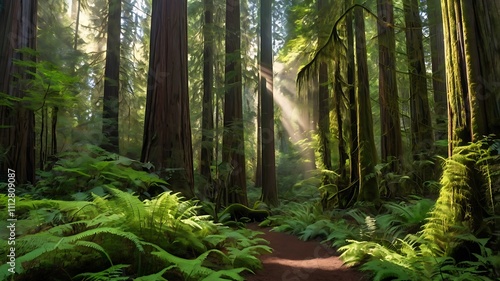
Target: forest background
(257, 105)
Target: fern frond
(155, 277)
(113, 273)
(233, 274)
(107, 230)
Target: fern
(114, 273)
(246, 257)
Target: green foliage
(118, 235)
(90, 169)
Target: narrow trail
(296, 260)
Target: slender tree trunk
(167, 129)
(338, 94)
(368, 188)
(422, 137)
(112, 79)
(324, 104)
(207, 122)
(233, 152)
(269, 190)
(391, 143)
(17, 136)
(438, 67)
(353, 118)
(258, 168)
(421, 123)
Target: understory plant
(117, 237)
(452, 238)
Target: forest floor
(296, 260)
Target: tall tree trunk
(269, 190)
(353, 118)
(324, 104)
(391, 143)
(368, 188)
(207, 122)
(421, 123)
(112, 79)
(472, 53)
(422, 138)
(438, 67)
(233, 151)
(17, 136)
(338, 94)
(167, 129)
(258, 165)
(472, 70)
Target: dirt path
(295, 260)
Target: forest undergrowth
(82, 221)
(416, 238)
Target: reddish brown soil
(295, 260)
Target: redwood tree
(167, 129)
(367, 154)
(17, 137)
(112, 78)
(269, 190)
(438, 67)
(472, 53)
(207, 121)
(391, 143)
(233, 148)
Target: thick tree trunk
(167, 129)
(112, 79)
(472, 70)
(233, 150)
(17, 137)
(207, 122)
(368, 188)
(391, 143)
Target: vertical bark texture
(353, 118)
(233, 150)
(17, 137)
(368, 188)
(324, 103)
(391, 144)
(207, 121)
(472, 69)
(422, 138)
(112, 78)
(438, 67)
(167, 129)
(269, 190)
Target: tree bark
(391, 143)
(233, 150)
(438, 67)
(269, 190)
(421, 124)
(353, 118)
(167, 129)
(367, 155)
(18, 24)
(207, 122)
(471, 69)
(112, 79)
